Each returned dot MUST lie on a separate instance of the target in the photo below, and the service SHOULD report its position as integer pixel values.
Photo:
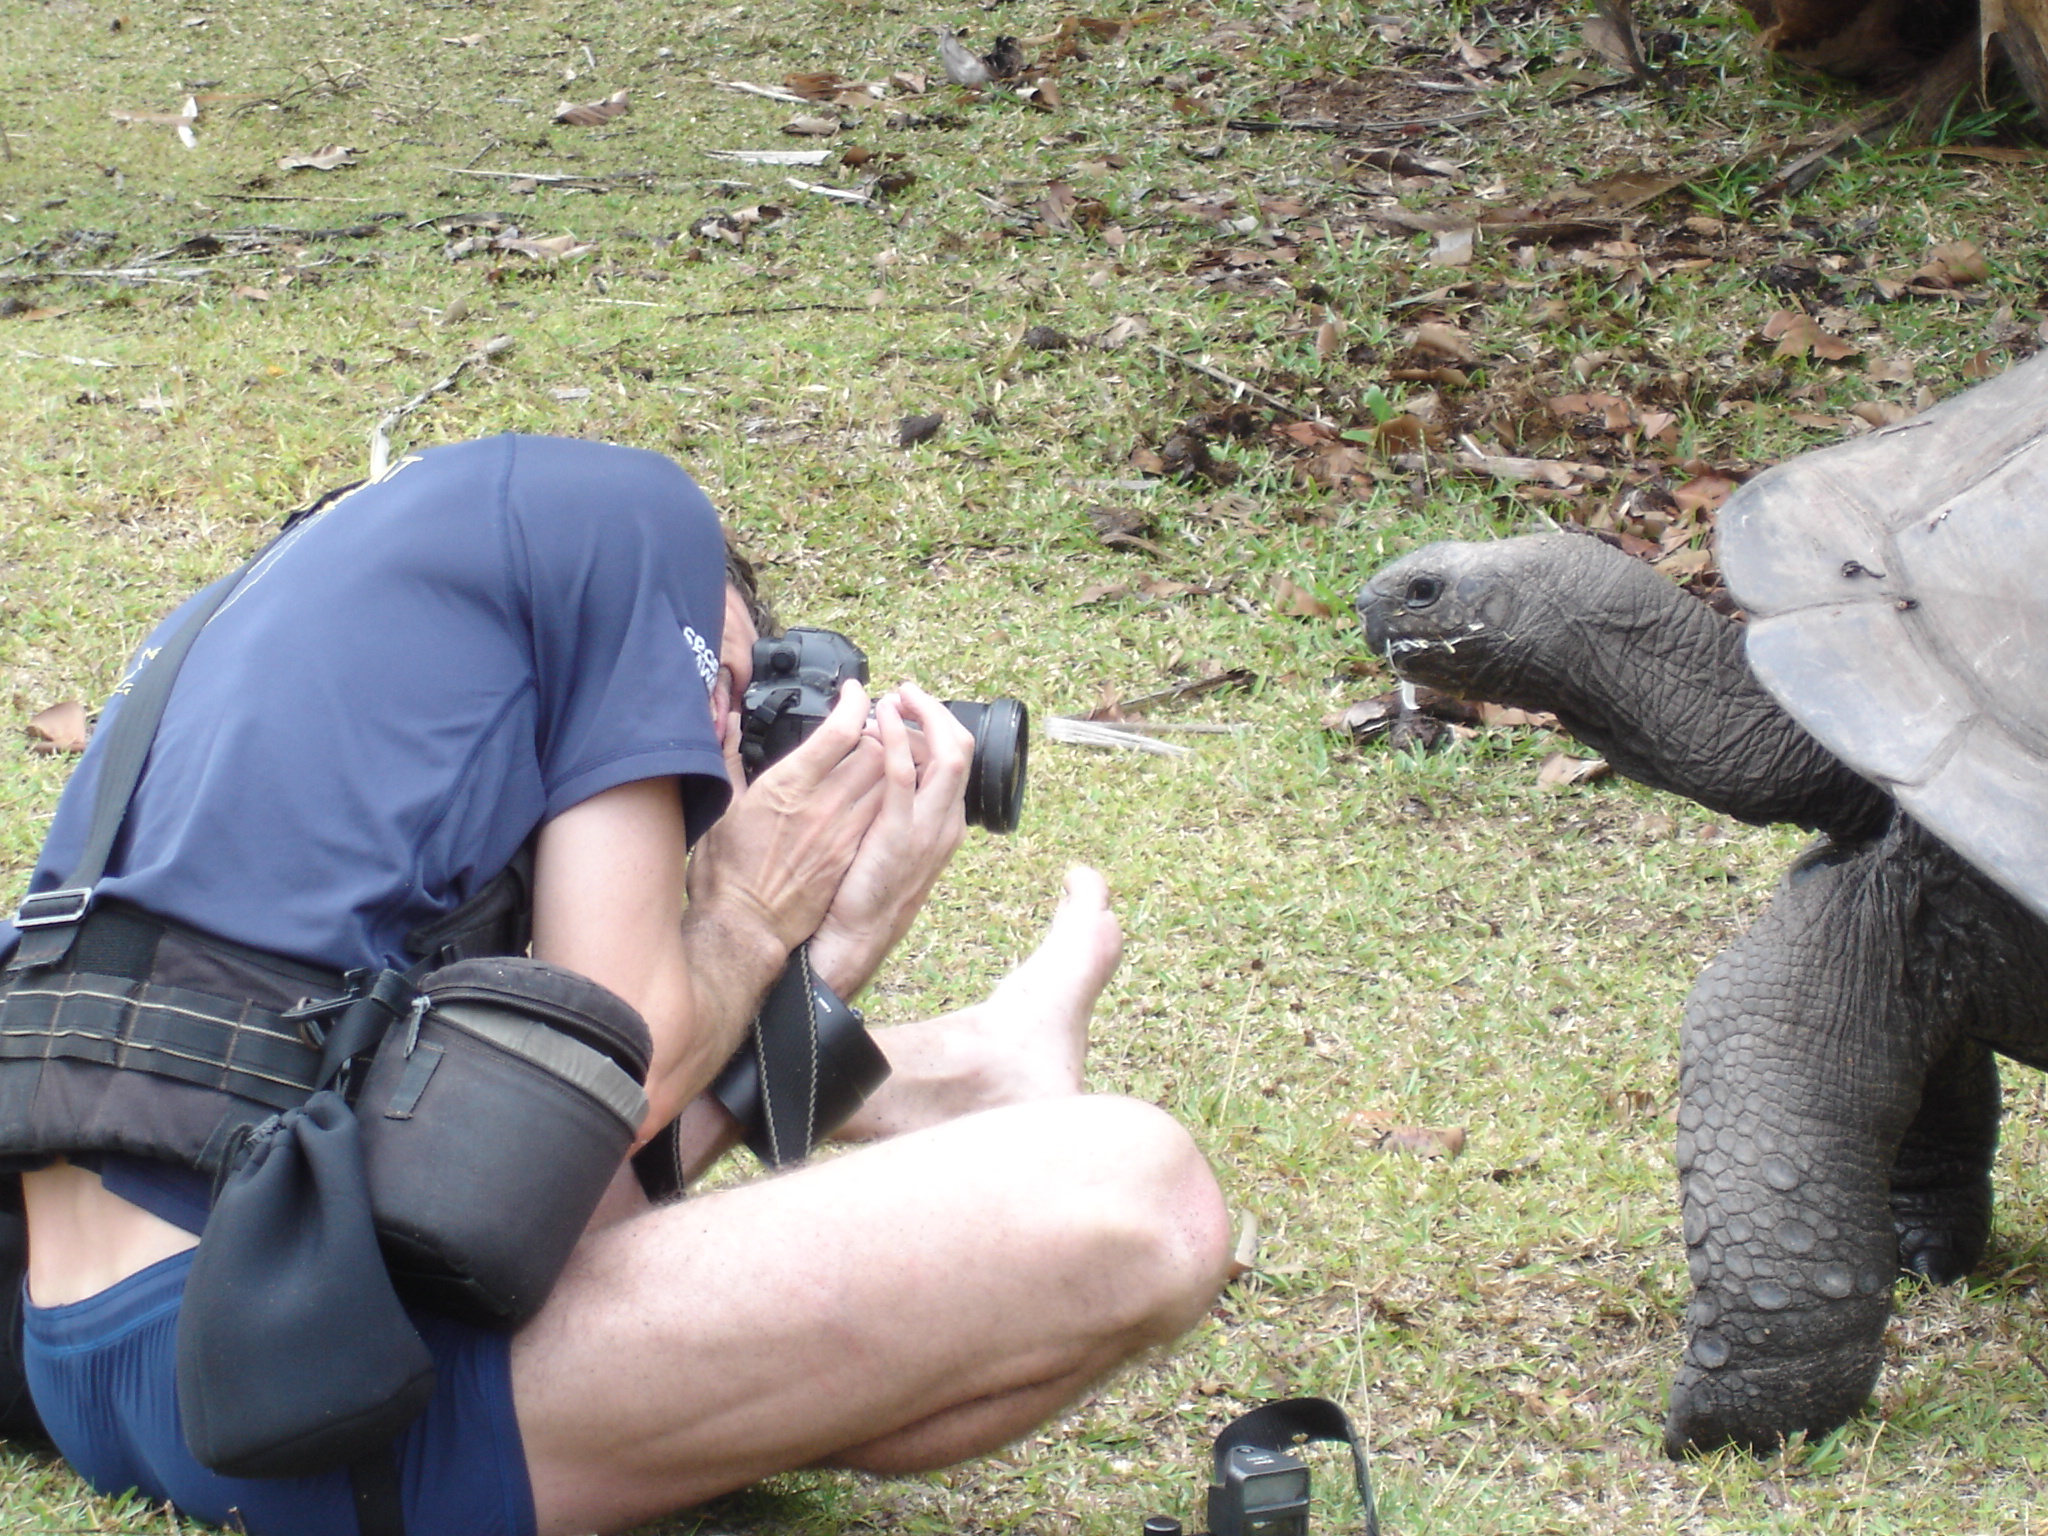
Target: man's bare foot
(1027, 1041)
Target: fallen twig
(1345, 130)
(122, 274)
(75, 361)
(286, 197)
(798, 309)
(1241, 385)
(839, 193)
(557, 179)
(1236, 677)
(380, 438)
(773, 93)
(1098, 733)
(1180, 727)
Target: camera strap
(1279, 1425)
(807, 1064)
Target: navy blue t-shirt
(408, 684)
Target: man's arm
(610, 878)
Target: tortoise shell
(1897, 587)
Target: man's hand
(919, 824)
(784, 847)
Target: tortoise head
(1479, 620)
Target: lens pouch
(294, 1356)
(493, 1120)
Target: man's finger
(836, 736)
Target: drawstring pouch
(294, 1355)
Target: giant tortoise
(1838, 1087)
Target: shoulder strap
(48, 921)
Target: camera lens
(995, 779)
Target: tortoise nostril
(1422, 591)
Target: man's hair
(740, 575)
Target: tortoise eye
(1422, 591)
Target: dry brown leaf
(1798, 335)
(1057, 206)
(1880, 413)
(60, 728)
(1954, 265)
(331, 158)
(807, 125)
(1297, 601)
(1605, 39)
(1425, 1141)
(1615, 414)
(1453, 247)
(1703, 493)
(820, 85)
(1505, 715)
(1244, 1252)
(1440, 340)
(551, 248)
(1630, 1103)
(1306, 434)
(1329, 339)
(591, 114)
(1685, 563)
(1472, 56)
(1561, 769)
(1982, 365)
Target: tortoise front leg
(1941, 1178)
(1800, 1073)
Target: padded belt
(234, 1047)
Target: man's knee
(1155, 1210)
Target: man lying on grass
(528, 638)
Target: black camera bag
(492, 1122)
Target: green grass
(1316, 930)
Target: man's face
(735, 660)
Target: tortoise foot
(1942, 1232)
(1755, 1408)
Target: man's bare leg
(1027, 1041)
(907, 1305)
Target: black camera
(1259, 1486)
(796, 682)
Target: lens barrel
(995, 778)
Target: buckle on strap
(49, 909)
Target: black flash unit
(1258, 1492)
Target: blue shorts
(104, 1375)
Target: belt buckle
(48, 909)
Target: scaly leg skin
(1800, 1072)
(1941, 1179)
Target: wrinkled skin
(1838, 1083)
